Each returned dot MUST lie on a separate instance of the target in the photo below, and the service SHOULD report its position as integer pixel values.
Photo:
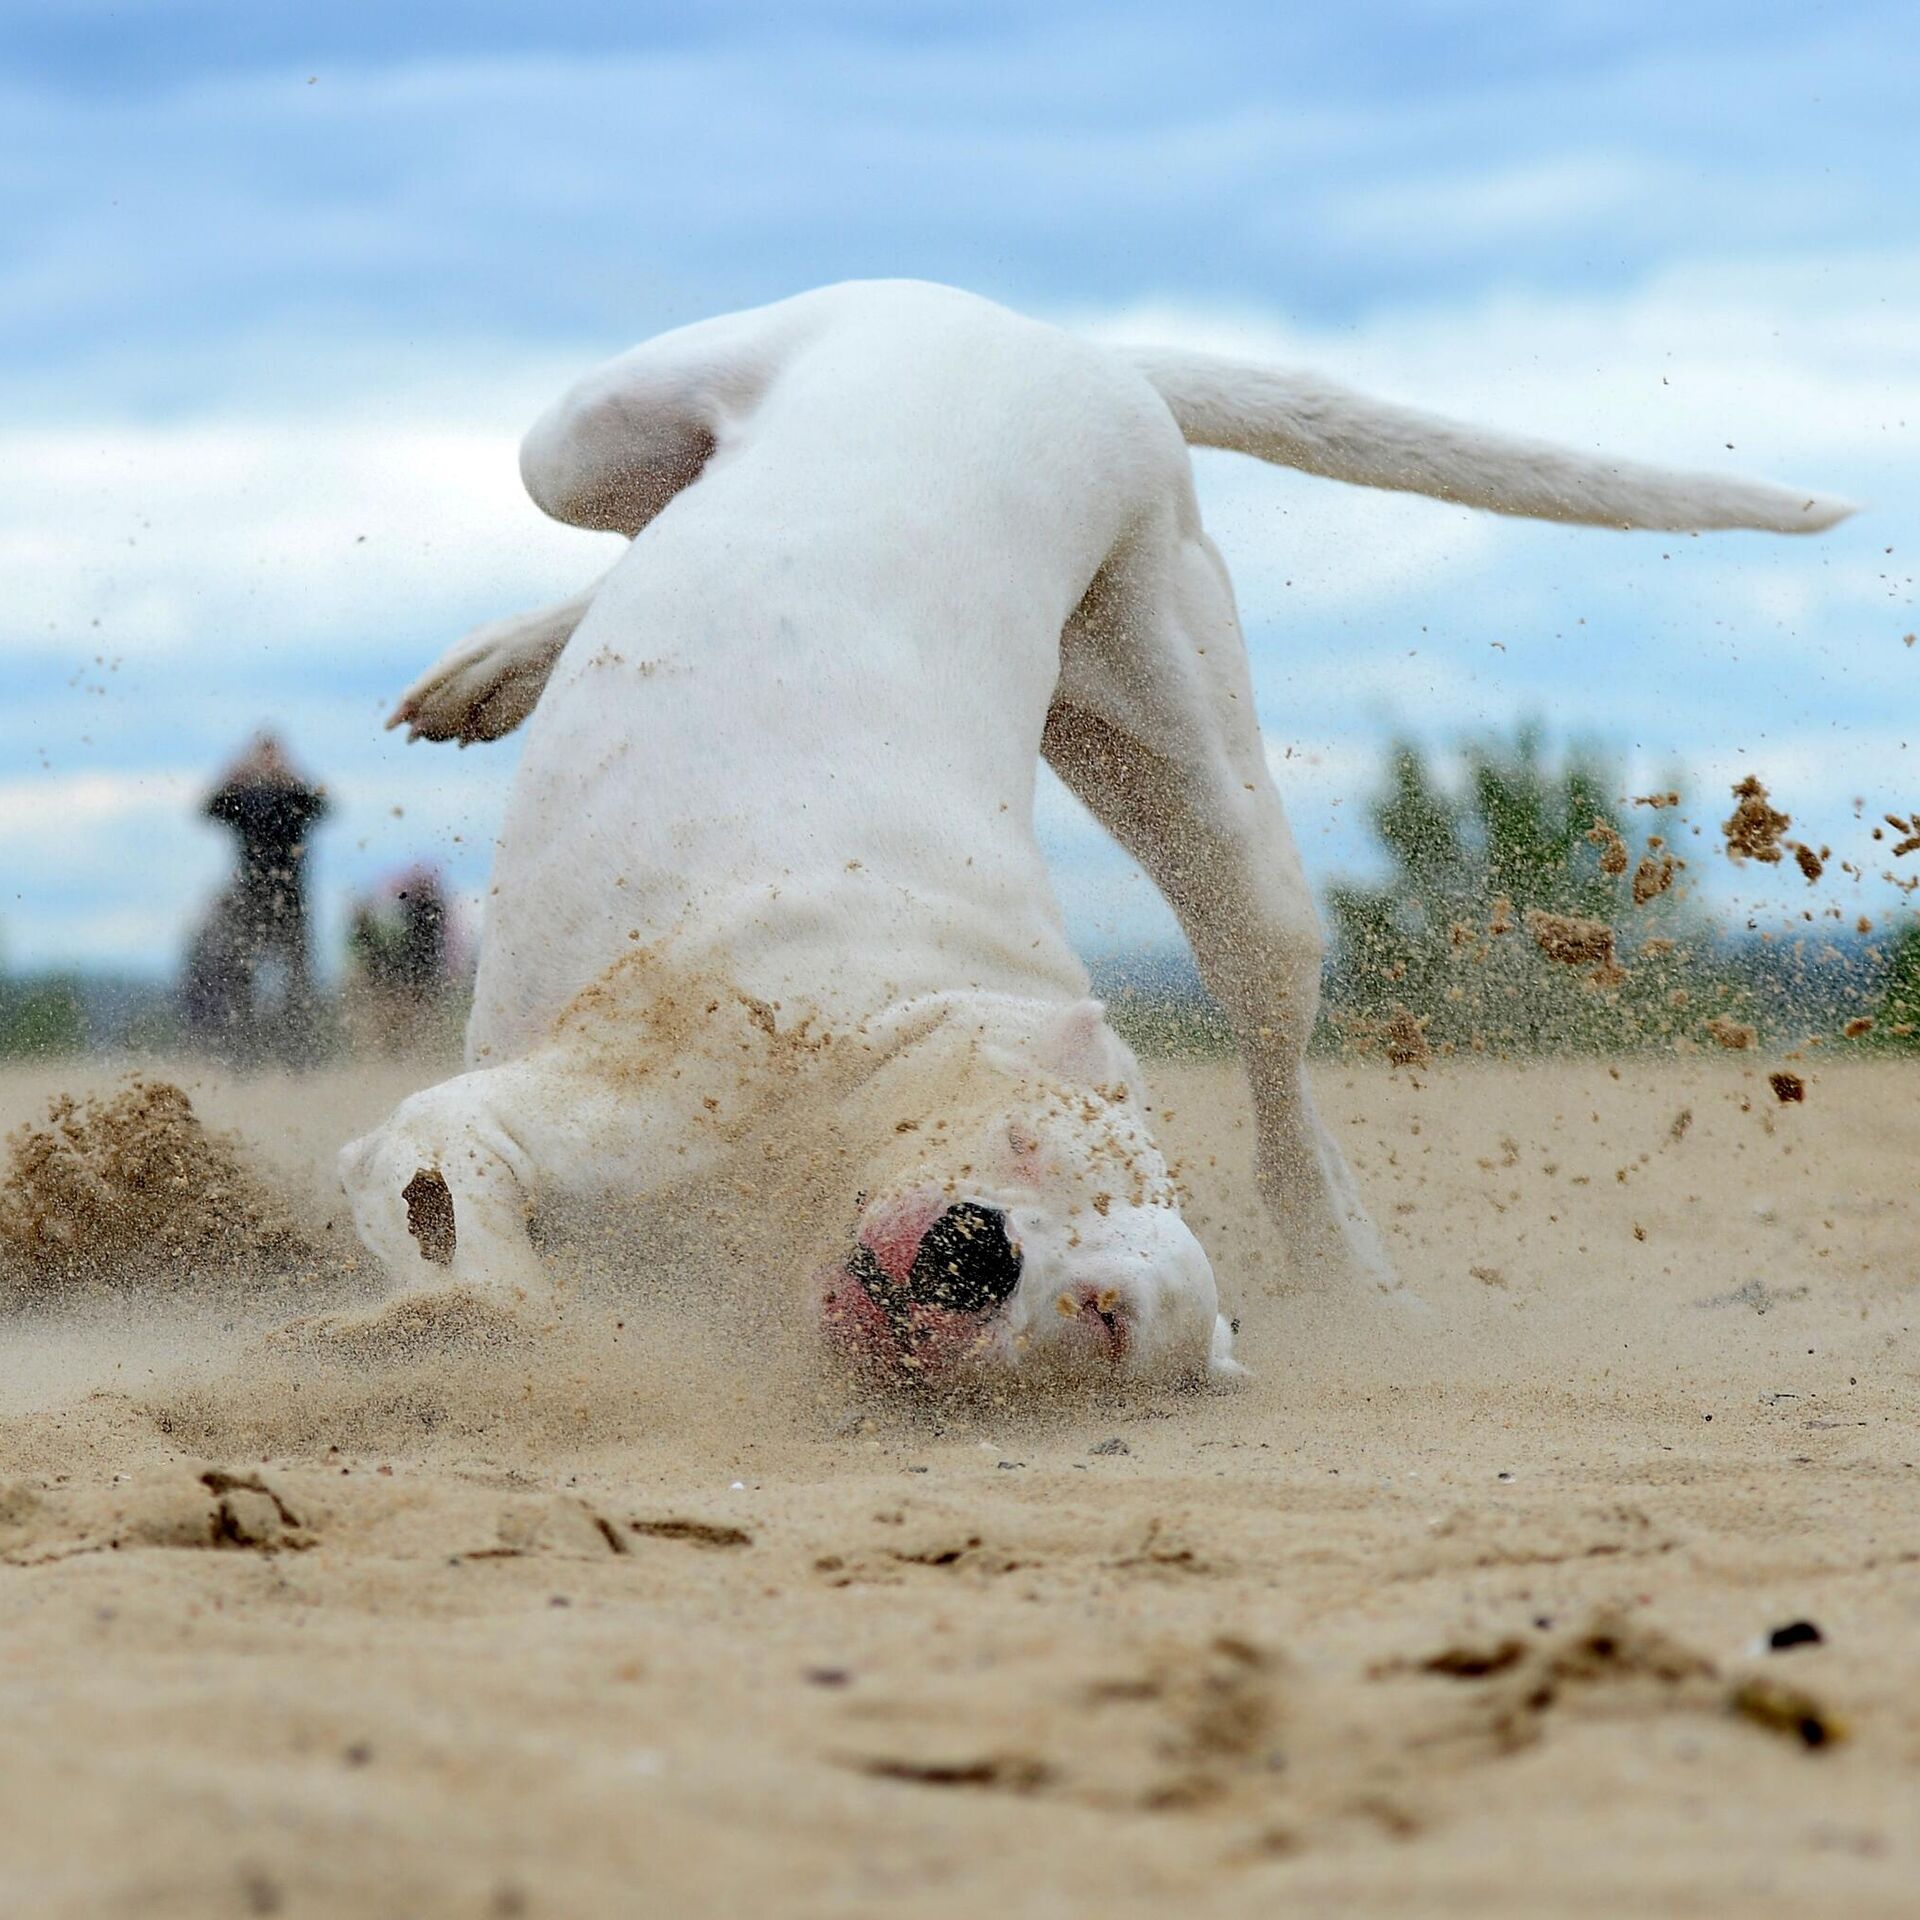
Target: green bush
(41, 1017)
(1442, 952)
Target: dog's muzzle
(933, 1306)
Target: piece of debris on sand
(1681, 1122)
(132, 1187)
(1613, 850)
(1574, 942)
(1755, 1294)
(1787, 1710)
(1753, 828)
(1787, 1087)
(1403, 1038)
(1735, 1035)
(1654, 875)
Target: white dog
(768, 911)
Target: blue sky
(279, 287)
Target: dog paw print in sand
(1220, 1730)
(1163, 1734)
(171, 1508)
(1280, 1755)
(946, 1549)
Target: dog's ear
(1078, 1046)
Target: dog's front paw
(481, 690)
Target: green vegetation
(41, 1016)
(1450, 951)
(1440, 956)
(1896, 1025)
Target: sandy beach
(631, 1611)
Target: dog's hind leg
(1154, 729)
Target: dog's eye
(966, 1262)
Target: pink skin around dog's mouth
(924, 1342)
(869, 1314)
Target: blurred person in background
(399, 945)
(248, 991)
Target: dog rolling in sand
(768, 916)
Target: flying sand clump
(1654, 875)
(133, 1187)
(1613, 849)
(1403, 1037)
(1574, 942)
(1754, 827)
(1908, 829)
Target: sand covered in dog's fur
(440, 1614)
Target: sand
(622, 1611)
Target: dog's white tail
(1300, 420)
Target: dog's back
(800, 724)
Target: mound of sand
(130, 1187)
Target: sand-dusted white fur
(768, 894)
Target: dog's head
(1041, 1238)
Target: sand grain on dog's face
(431, 1608)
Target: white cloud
(1783, 358)
(1443, 211)
(223, 557)
(39, 811)
(209, 539)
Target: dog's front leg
(487, 683)
(442, 1193)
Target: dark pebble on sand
(1796, 1633)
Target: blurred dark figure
(249, 974)
(401, 951)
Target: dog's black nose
(966, 1261)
